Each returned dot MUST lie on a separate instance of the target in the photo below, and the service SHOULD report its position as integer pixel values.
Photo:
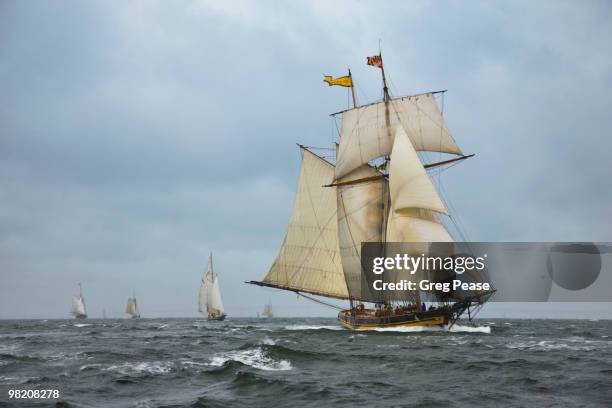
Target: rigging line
(455, 218)
(362, 92)
(319, 301)
(337, 129)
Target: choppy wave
(199, 364)
(254, 357)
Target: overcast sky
(136, 137)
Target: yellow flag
(342, 81)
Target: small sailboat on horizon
(209, 300)
(267, 312)
(132, 308)
(78, 310)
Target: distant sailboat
(210, 295)
(78, 305)
(267, 312)
(132, 308)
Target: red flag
(375, 61)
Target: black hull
(217, 318)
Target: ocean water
(306, 363)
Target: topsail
(368, 131)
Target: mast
(352, 89)
(382, 70)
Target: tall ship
(380, 189)
(267, 311)
(78, 310)
(132, 308)
(210, 302)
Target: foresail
(309, 259)
(368, 131)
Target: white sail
(267, 312)
(409, 184)
(361, 209)
(209, 299)
(368, 131)
(78, 306)
(202, 297)
(309, 259)
(215, 305)
(413, 198)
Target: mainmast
(385, 88)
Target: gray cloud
(137, 137)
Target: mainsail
(309, 259)
(132, 308)
(210, 294)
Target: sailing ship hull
(217, 318)
(367, 319)
(444, 316)
(80, 316)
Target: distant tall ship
(377, 190)
(132, 308)
(267, 311)
(79, 311)
(210, 302)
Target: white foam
(420, 329)
(82, 324)
(143, 367)
(457, 328)
(86, 366)
(268, 341)
(254, 357)
(547, 345)
(193, 363)
(307, 327)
